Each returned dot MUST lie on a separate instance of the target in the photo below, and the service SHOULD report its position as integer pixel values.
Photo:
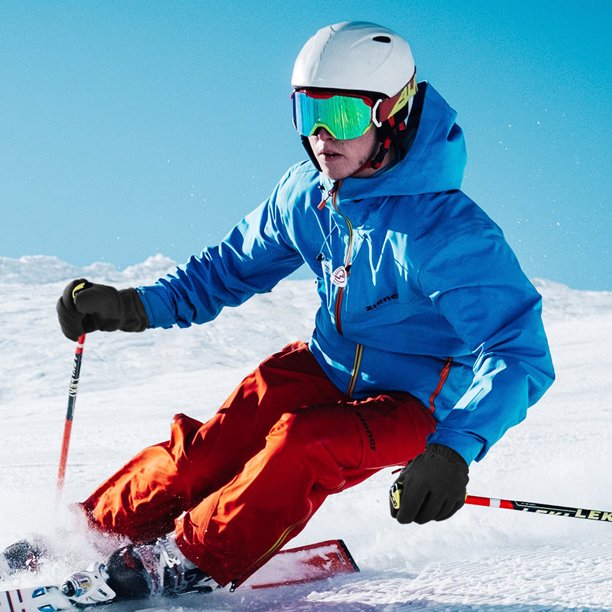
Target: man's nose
(323, 134)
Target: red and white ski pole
(523, 506)
(72, 393)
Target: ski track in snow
(131, 384)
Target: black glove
(85, 307)
(430, 488)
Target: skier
(428, 343)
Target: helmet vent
(382, 39)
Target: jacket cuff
(469, 446)
(157, 312)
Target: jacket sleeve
(254, 256)
(476, 283)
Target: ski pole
(72, 393)
(523, 506)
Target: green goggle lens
(344, 117)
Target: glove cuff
(448, 453)
(133, 314)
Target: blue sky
(132, 128)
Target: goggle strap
(384, 109)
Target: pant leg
(142, 500)
(309, 454)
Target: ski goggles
(344, 116)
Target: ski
(291, 566)
(35, 599)
(304, 564)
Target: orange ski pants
(236, 488)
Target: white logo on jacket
(339, 276)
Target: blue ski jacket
(419, 290)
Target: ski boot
(25, 555)
(135, 572)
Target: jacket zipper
(356, 368)
(347, 261)
(443, 376)
(340, 294)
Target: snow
(132, 384)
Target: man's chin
(335, 174)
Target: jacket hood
(434, 163)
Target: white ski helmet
(366, 58)
(354, 56)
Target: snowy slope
(132, 384)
